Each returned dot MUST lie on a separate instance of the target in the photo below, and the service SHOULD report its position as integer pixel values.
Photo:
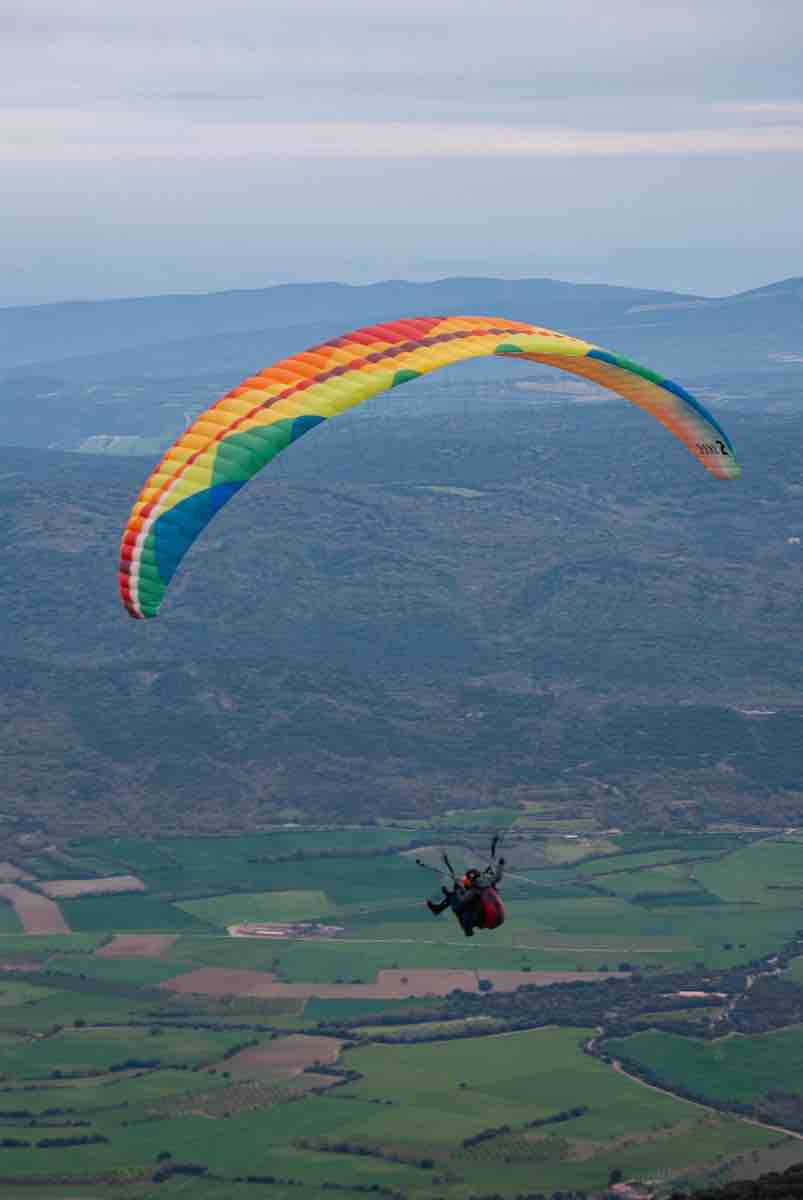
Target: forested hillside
(410, 611)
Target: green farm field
(662, 880)
(206, 866)
(136, 972)
(71, 1019)
(554, 923)
(734, 1068)
(327, 961)
(753, 874)
(127, 912)
(558, 933)
(95, 1096)
(42, 946)
(337, 1010)
(567, 851)
(14, 993)
(442, 1093)
(260, 906)
(417, 1104)
(91, 1003)
(632, 861)
(95, 1049)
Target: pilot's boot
(438, 906)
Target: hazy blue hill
(47, 333)
(188, 358)
(51, 333)
(136, 368)
(731, 332)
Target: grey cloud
(310, 56)
(128, 69)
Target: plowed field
(390, 985)
(137, 945)
(9, 873)
(68, 889)
(286, 1056)
(37, 913)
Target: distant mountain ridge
(49, 334)
(31, 334)
(135, 369)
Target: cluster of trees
(373, 1189)
(376, 1189)
(487, 1135)
(785, 1185)
(237, 1047)
(771, 1003)
(781, 1108)
(285, 1180)
(336, 852)
(135, 1064)
(566, 1114)
(700, 1028)
(19, 1114)
(36, 1122)
(189, 1019)
(534, 1196)
(614, 1003)
(323, 1146)
(55, 1143)
(162, 1174)
(344, 1073)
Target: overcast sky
(161, 145)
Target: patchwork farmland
(133, 1026)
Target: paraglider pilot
(473, 899)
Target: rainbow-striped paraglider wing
(239, 434)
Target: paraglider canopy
(241, 433)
